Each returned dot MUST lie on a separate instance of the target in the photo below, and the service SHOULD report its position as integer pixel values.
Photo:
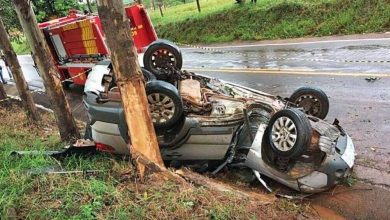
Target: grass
(114, 193)
(188, 11)
(21, 47)
(224, 21)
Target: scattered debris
(372, 79)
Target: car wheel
(148, 76)
(161, 55)
(313, 101)
(289, 133)
(165, 104)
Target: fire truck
(77, 43)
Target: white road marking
(296, 43)
(289, 72)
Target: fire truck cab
(77, 43)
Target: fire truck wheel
(162, 55)
(165, 104)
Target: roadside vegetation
(111, 193)
(224, 21)
(21, 47)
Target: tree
(45, 9)
(3, 94)
(48, 9)
(49, 72)
(198, 5)
(130, 81)
(89, 6)
(8, 15)
(160, 4)
(16, 70)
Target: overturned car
(203, 120)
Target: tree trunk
(16, 70)
(160, 7)
(130, 82)
(198, 5)
(3, 94)
(49, 73)
(89, 6)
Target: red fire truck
(77, 43)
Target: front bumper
(333, 169)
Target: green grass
(112, 194)
(21, 47)
(188, 11)
(223, 21)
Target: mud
(358, 202)
(327, 214)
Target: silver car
(217, 124)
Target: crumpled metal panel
(224, 106)
(327, 145)
(190, 89)
(325, 129)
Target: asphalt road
(345, 54)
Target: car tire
(165, 104)
(148, 76)
(289, 133)
(160, 55)
(314, 101)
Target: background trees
(49, 72)
(44, 10)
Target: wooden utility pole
(16, 70)
(130, 81)
(49, 73)
(198, 5)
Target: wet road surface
(346, 55)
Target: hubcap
(310, 104)
(284, 134)
(163, 58)
(161, 107)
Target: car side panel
(108, 134)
